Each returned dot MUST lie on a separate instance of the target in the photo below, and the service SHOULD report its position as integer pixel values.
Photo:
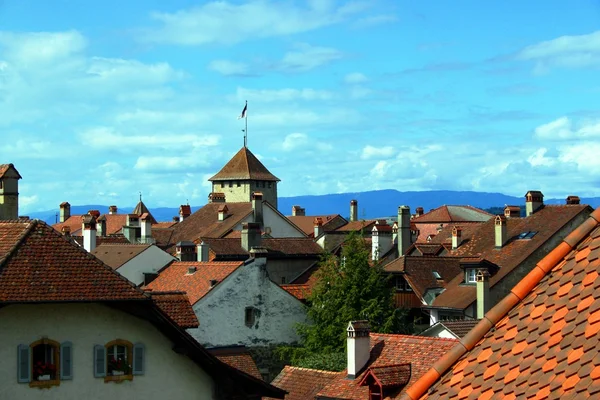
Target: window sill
(44, 384)
(118, 378)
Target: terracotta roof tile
(114, 223)
(177, 306)
(197, 284)
(115, 255)
(39, 265)
(303, 383)
(388, 376)
(244, 166)
(306, 222)
(238, 357)
(388, 350)
(453, 214)
(301, 291)
(163, 225)
(356, 226)
(298, 247)
(564, 346)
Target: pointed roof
(244, 166)
(4, 168)
(140, 209)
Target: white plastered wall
(150, 260)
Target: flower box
(44, 377)
(116, 373)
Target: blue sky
(101, 100)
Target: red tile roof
(356, 226)
(244, 166)
(388, 376)
(303, 383)
(453, 214)
(292, 247)
(388, 350)
(546, 222)
(301, 291)
(163, 225)
(39, 265)
(306, 222)
(541, 341)
(177, 306)
(238, 357)
(115, 255)
(196, 284)
(114, 223)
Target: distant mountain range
(372, 204)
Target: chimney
(191, 269)
(146, 228)
(483, 292)
(512, 211)
(298, 211)
(112, 210)
(419, 211)
(215, 197)
(203, 251)
(456, 237)
(250, 235)
(222, 212)
(404, 235)
(257, 207)
(395, 233)
(184, 211)
(66, 230)
(534, 200)
(260, 253)
(318, 225)
(186, 251)
(65, 211)
(359, 346)
(501, 231)
(101, 226)
(89, 232)
(175, 219)
(375, 243)
(573, 200)
(94, 213)
(149, 277)
(353, 210)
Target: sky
(102, 100)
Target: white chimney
(534, 200)
(456, 237)
(89, 232)
(146, 228)
(483, 292)
(501, 233)
(112, 210)
(222, 212)
(353, 210)
(251, 235)
(318, 226)
(203, 252)
(65, 211)
(184, 211)
(404, 235)
(359, 347)
(298, 211)
(101, 226)
(257, 207)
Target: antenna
(140, 196)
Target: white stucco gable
(153, 259)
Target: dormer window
(470, 275)
(401, 284)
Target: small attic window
(437, 275)
(527, 235)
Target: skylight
(437, 275)
(527, 235)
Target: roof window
(526, 235)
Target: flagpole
(246, 130)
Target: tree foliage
(349, 288)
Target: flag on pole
(243, 114)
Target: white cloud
(33, 48)
(170, 118)
(280, 95)
(539, 159)
(563, 128)
(369, 152)
(577, 51)
(108, 138)
(584, 155)
(174, 163)
(226, 23)
(229, 68)
(294, 140)
(307, 57)
(355, 77)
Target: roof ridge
(26, 232)
(415, 337)
(499, 311)
(312, 369)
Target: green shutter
(66, 361)
(139, 359)
(99, 361)
(23, 364)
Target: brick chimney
(318, 226)
(298, 211)
(512, 211)
(203, 252)
(250, 235)
(501, 233)
(184, 211)
(404, 235)
(534, 200)
(216, 197)
(257, 207)
(573, 200)
(456, 237)
(483, 292)
(112, 210)
(353, 210)
(359, 347)
(65, 211)
(94, 213)
(419, 211)
(185, 251)
(89, 232)
(222, 212)
(146, 228)
(101, 226)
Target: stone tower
(9, 192)
(243, 175)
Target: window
(250, 316)
(238, 184)
(401, 284)
(231, 184)
(437, 275)
(44, 363)
(527, 235)
(471, 275)
(222, 184)
(283, 280)
(119, 360)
